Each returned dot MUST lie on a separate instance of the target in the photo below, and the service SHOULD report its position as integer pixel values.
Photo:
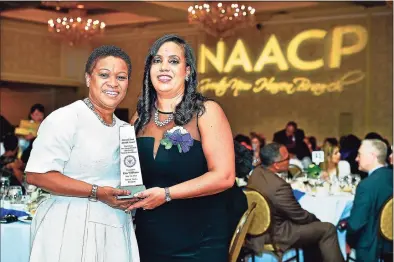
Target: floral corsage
(177, 136)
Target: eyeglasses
(283, 160)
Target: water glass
(357, 179)
(4, 186)
(15, 194)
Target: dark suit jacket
(299, 147)
(281, 138)
(363, 223)
(286, 212)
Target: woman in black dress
(187, 160)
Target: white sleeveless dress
(74, 142)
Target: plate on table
(26, 219)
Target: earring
(187, 78)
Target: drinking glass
(15, 194)
(4, 186)
(357, 179)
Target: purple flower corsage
(177, 136)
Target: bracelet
(167, 194)
(24, 180)
(93, 194)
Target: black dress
(182, 230)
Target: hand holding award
(130, 169)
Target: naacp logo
(130, 161)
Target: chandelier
(75, 26)
(221, 19)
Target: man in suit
(288, 136)
(291, 225)
(371, 195)
(293, 139)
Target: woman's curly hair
(192, 102)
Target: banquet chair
(294, 171)
(261, 224)
(239, 236)
(386, 227)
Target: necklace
(91, 107)
(162, 123)
(165, 122)
(162, 112)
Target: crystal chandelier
(221, 19)
(75, 26)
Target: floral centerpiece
(179, 137)
(313, 171)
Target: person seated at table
(371, 195)
(294, 160)
(258, 141)
(292, 225)
(8, 158)
(244, 141)
(333, 168)
(374, 135)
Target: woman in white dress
(76, 158)
(333, 168)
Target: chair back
(262, 218)
(240, 233)
(386, 220)
(294, 171)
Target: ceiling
(115, 13)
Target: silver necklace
(162, 123)
(91, 107)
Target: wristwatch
(168, 196)
(93, 194)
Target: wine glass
(342, 183)
(357, 179)
(15, 194)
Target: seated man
(371, 194)
(292, 226)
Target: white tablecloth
(330, 208)
(15, 242)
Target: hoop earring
(187, 78)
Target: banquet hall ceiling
(116, 13)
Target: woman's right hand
(108, 196)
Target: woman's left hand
(150, 199)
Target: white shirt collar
(371, 171)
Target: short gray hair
(378, 147)
(270, 154)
